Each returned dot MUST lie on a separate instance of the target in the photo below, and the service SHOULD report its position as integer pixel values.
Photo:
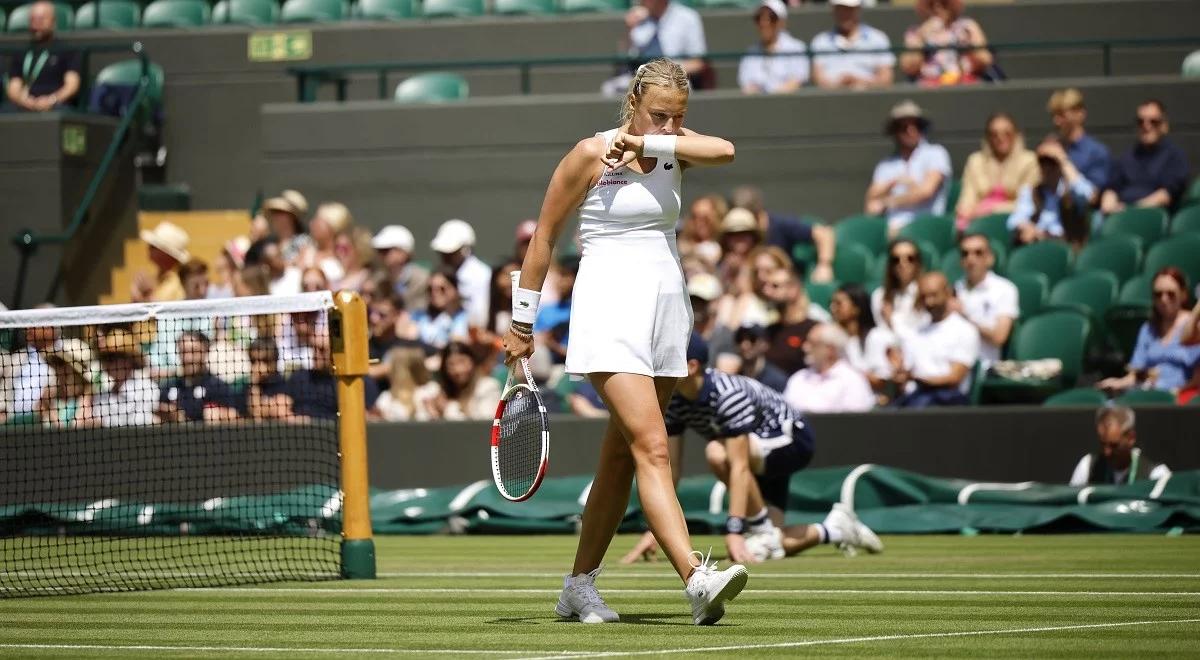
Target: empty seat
(994, 226)
(1032, 290)
(524, 7)
(1187, 221)
(853, 262)
(113, 15)
(1147, 224)
(1117, 254)
(1080, 396)
(64, 18)
(450, 8)
(129, 72)
(937, 230)
(384, 10)
(951, 265)
(1061, 334)
(434, 87)
(1089, 293)
(820, 293)
(1051, 258)
(869, 231)
(313, 11)
(1181, 251)
(246, 12)
(1136, 291)
(1146, 398)
(175, 13)
(586, 6)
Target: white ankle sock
(829, 534)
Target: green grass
(817, 604)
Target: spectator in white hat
(453, 242)
(285, 217)
(761, 71)
(912, 180)
(705, 291)
(852, 55)
(167, 245)
(395, 243)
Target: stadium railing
(309, 78)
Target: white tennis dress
(630, 311)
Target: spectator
(194, 276)
(444, 319)
(266, 396)
(131, 398)
(500, 299)
(47, 76)
(230, 260)
(986, 300)
(867, 344)
(1119, 461)
(787, 233)
(751, 358)
(585, 401)
(454, 242)
(466, 392)
(287, 226)
(394, 245)
(356, 256)
(828, 384)
(911, 181)
(27, 373)
(1161, 359)
(330, 220)
(67, 401)
(1154, 172)
(852, 55)
(523, 236)
(894, 304)
(297, 336)
(661, 28)
(996, 172)
(408, 382)
(313, 280)
(195, 395)
(764, 263)
(1085, 153)
(763, 70)
(282, 279)
(947, 48)
(935, 367)
(384, 314)
(164, 354)
(704, 293)
(700, 231)
(740, 234)
(167, 245)
(553, 319)
(313, 391)
(786, 336)
(1057, 207)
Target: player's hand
(645, 550)
(516, 347)
(738, 554)
(623, 150)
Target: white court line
(264, 649)
(675, 592)
(875, 638)
(608, 575)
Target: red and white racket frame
(509, 388)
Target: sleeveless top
(626, 208)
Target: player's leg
(646, 549)
(607, 500)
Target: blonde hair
(1065, 99)
(336, 215)
(659, 72)
(407, 372)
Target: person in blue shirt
(553, 318)
(1071, 142)
(786, 233)
(1163, 357)
(1154, 173)
(1057, 207)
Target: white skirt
(630, 313)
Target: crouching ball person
(630, 322)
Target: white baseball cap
(393, 236)
(704, 286)
(453, 236)
(777, 7)
(846, 3)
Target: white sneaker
(580, 600)
(766, 544)
(854, 534)
(708, 589)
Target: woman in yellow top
(997, 172)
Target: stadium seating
(64, 17)
(1080, 396)
(128, 72)
(313, 11)
(1089, 293)
(1187, 221)
(383, 10)
(1032, 290)
(112, 15)
(1061, 334)
(1147, 224)
(937, 230)
(524, 7)
(587, 6)
(870, 231)
(951, 265)
(1182, 251)
(1123, 322)
(1136, 290)
(1146, 398)
(821, 292)
(3, 21)
(1192, 196)
(994, 226)
(176, 13)
(711, 4)
(436, 87)
(854, 262)
(246, 12)
(451, 8)
(1117, 254)
(1051, 258)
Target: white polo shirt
(475, 287)
(769, 72)
(906, 317)
(680, 33)
(841, 389)
(838, 56)
(932, 349)
(870, 357)
(924, 159)
(985, 304)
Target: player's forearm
(696, 149)
(826, 241)
(739, 486)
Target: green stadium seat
(1146, 398)
(1191, 197)
(1150, 225)
(1181, 251)
(1061, 334)
(1051, 258)
(1080, 396)
(1123, 322)
(951, 265)
(820, 292)
(1136, 291)
(853, 262)
(1191, 65)
(524, 7)
(451, 8)
(713, 4)
(994, 226)
(128, 72)
(1000, 250)
(433, 87)
(1118, 254)
(175, 13)
(246, 12)
(937, 230)
(1187, 221)
(383, 10)
(869, 231)
(113, 15)
(1032, 290)
(1087, 293)
(314, 11)
(952, 193)
(588, 6)
(3, 21)
(64, 18)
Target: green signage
(74, 140)
(280, 46)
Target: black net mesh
(519, 453)
(182, 452)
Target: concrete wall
(488, 160)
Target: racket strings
(520, 448)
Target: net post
(348, 343)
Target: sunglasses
(906, 258)
(1000, 134)
(1166, 293)
(971, 253)
(1148, 121)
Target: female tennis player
(630, 324)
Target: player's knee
(715, 454)
(651, 450)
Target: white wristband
(524, 301)
(658, 146)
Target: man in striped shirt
(756, 442)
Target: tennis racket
(520, 439)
